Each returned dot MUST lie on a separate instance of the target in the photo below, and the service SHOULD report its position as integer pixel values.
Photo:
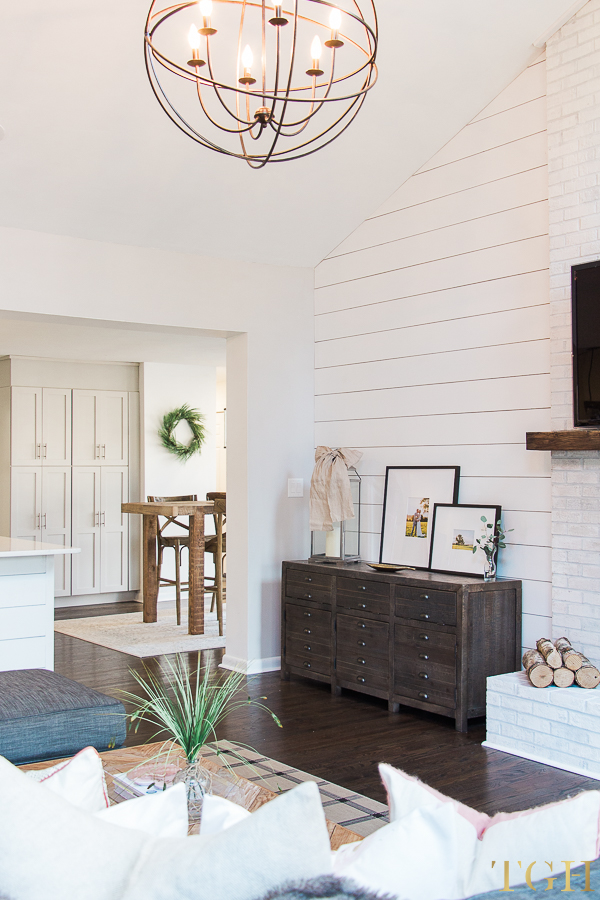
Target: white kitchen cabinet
(100, 529)
(100, 428)
(40, 426)
(41, 512)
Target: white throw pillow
(79, 780)
(218, 814)
(164, 814)
(284, 840)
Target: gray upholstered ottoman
(44, 715)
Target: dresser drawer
(305, 649)
(315, 579)
(360, 586)
(435, 692)
(309, 662)
(307, 592)
(348, 656)
(363, 677)
(363, 603)
(420, 645)
(358, 635)
(427, 670)
(301, 620)
(426, 605)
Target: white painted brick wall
(557, 726)
(573, 98)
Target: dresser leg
(285, 674)
(393, 707)
(336, 690)
(461, 722)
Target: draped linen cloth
(330, 491)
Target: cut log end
(563, 677)
(587, 677)
(539, 674)
(551, 655)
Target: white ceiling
(89, 153)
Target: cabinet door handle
(423, 615)
(360, 679)
(45, 450)
(361, 625)
(306, 665)
(97, 518)
(97, 454)
(307, 631)
(423, 696)
(308, 596)
(38, 519)
(424, 637)
(424, 596)
(308, 614)
(307, 578)
(363, 605)
(362, 643)
(103, 451)
(103, 518)
(38, 451)
(361, 662)
(423, 656)
(307, 647)
(44, 517)
(363, 587)
(423, 675)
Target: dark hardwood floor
(342, 738)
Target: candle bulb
(247, 60)
(194, 42)
(206, 12)
(335, 23)
(315, 52)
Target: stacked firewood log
(558, 663)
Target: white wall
(432, 331)
(267, 313)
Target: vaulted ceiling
(89, 153)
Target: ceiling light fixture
(315, 63)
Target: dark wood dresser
(419, 639)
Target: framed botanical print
(455, 529)
(410, 495)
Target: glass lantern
(342, 545)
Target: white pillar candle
(332, 541)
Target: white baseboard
(252, 667)
(96, 599)
(540, 758)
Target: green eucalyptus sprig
(489, 541)
(188, 706)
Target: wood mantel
(576, 439)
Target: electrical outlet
(295, 487)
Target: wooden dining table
(196, 510)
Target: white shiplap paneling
(432, 330)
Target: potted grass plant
(189, 707)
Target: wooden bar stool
(217, 547)
(177, 542)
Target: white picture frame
(451, 521)
(409, 497)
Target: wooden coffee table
(229, 785)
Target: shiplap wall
(432, 332)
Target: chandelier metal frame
(283, 107)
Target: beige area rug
(127, 633)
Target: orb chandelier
(263, 82)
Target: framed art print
(455, 528)
(410, 495)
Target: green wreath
(195, 420)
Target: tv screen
(585, 281)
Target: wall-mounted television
(585, 294)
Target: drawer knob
(424, 637)
(307, 647)
(308, 614)
(423, 675)
(306, 665)
(362, 643)
(361, 662)
(360, 679)
(424, 596)
(363, 605)
(307, 578)
(421, 615)
(363, 587)
(307, 631)
(308, 597)
(361, 625)
(423, 696)
(423, 656)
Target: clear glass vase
(489, 566)
(198, 783)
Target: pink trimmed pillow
(79, 780)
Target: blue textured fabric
(44, 715)
(556, 891)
